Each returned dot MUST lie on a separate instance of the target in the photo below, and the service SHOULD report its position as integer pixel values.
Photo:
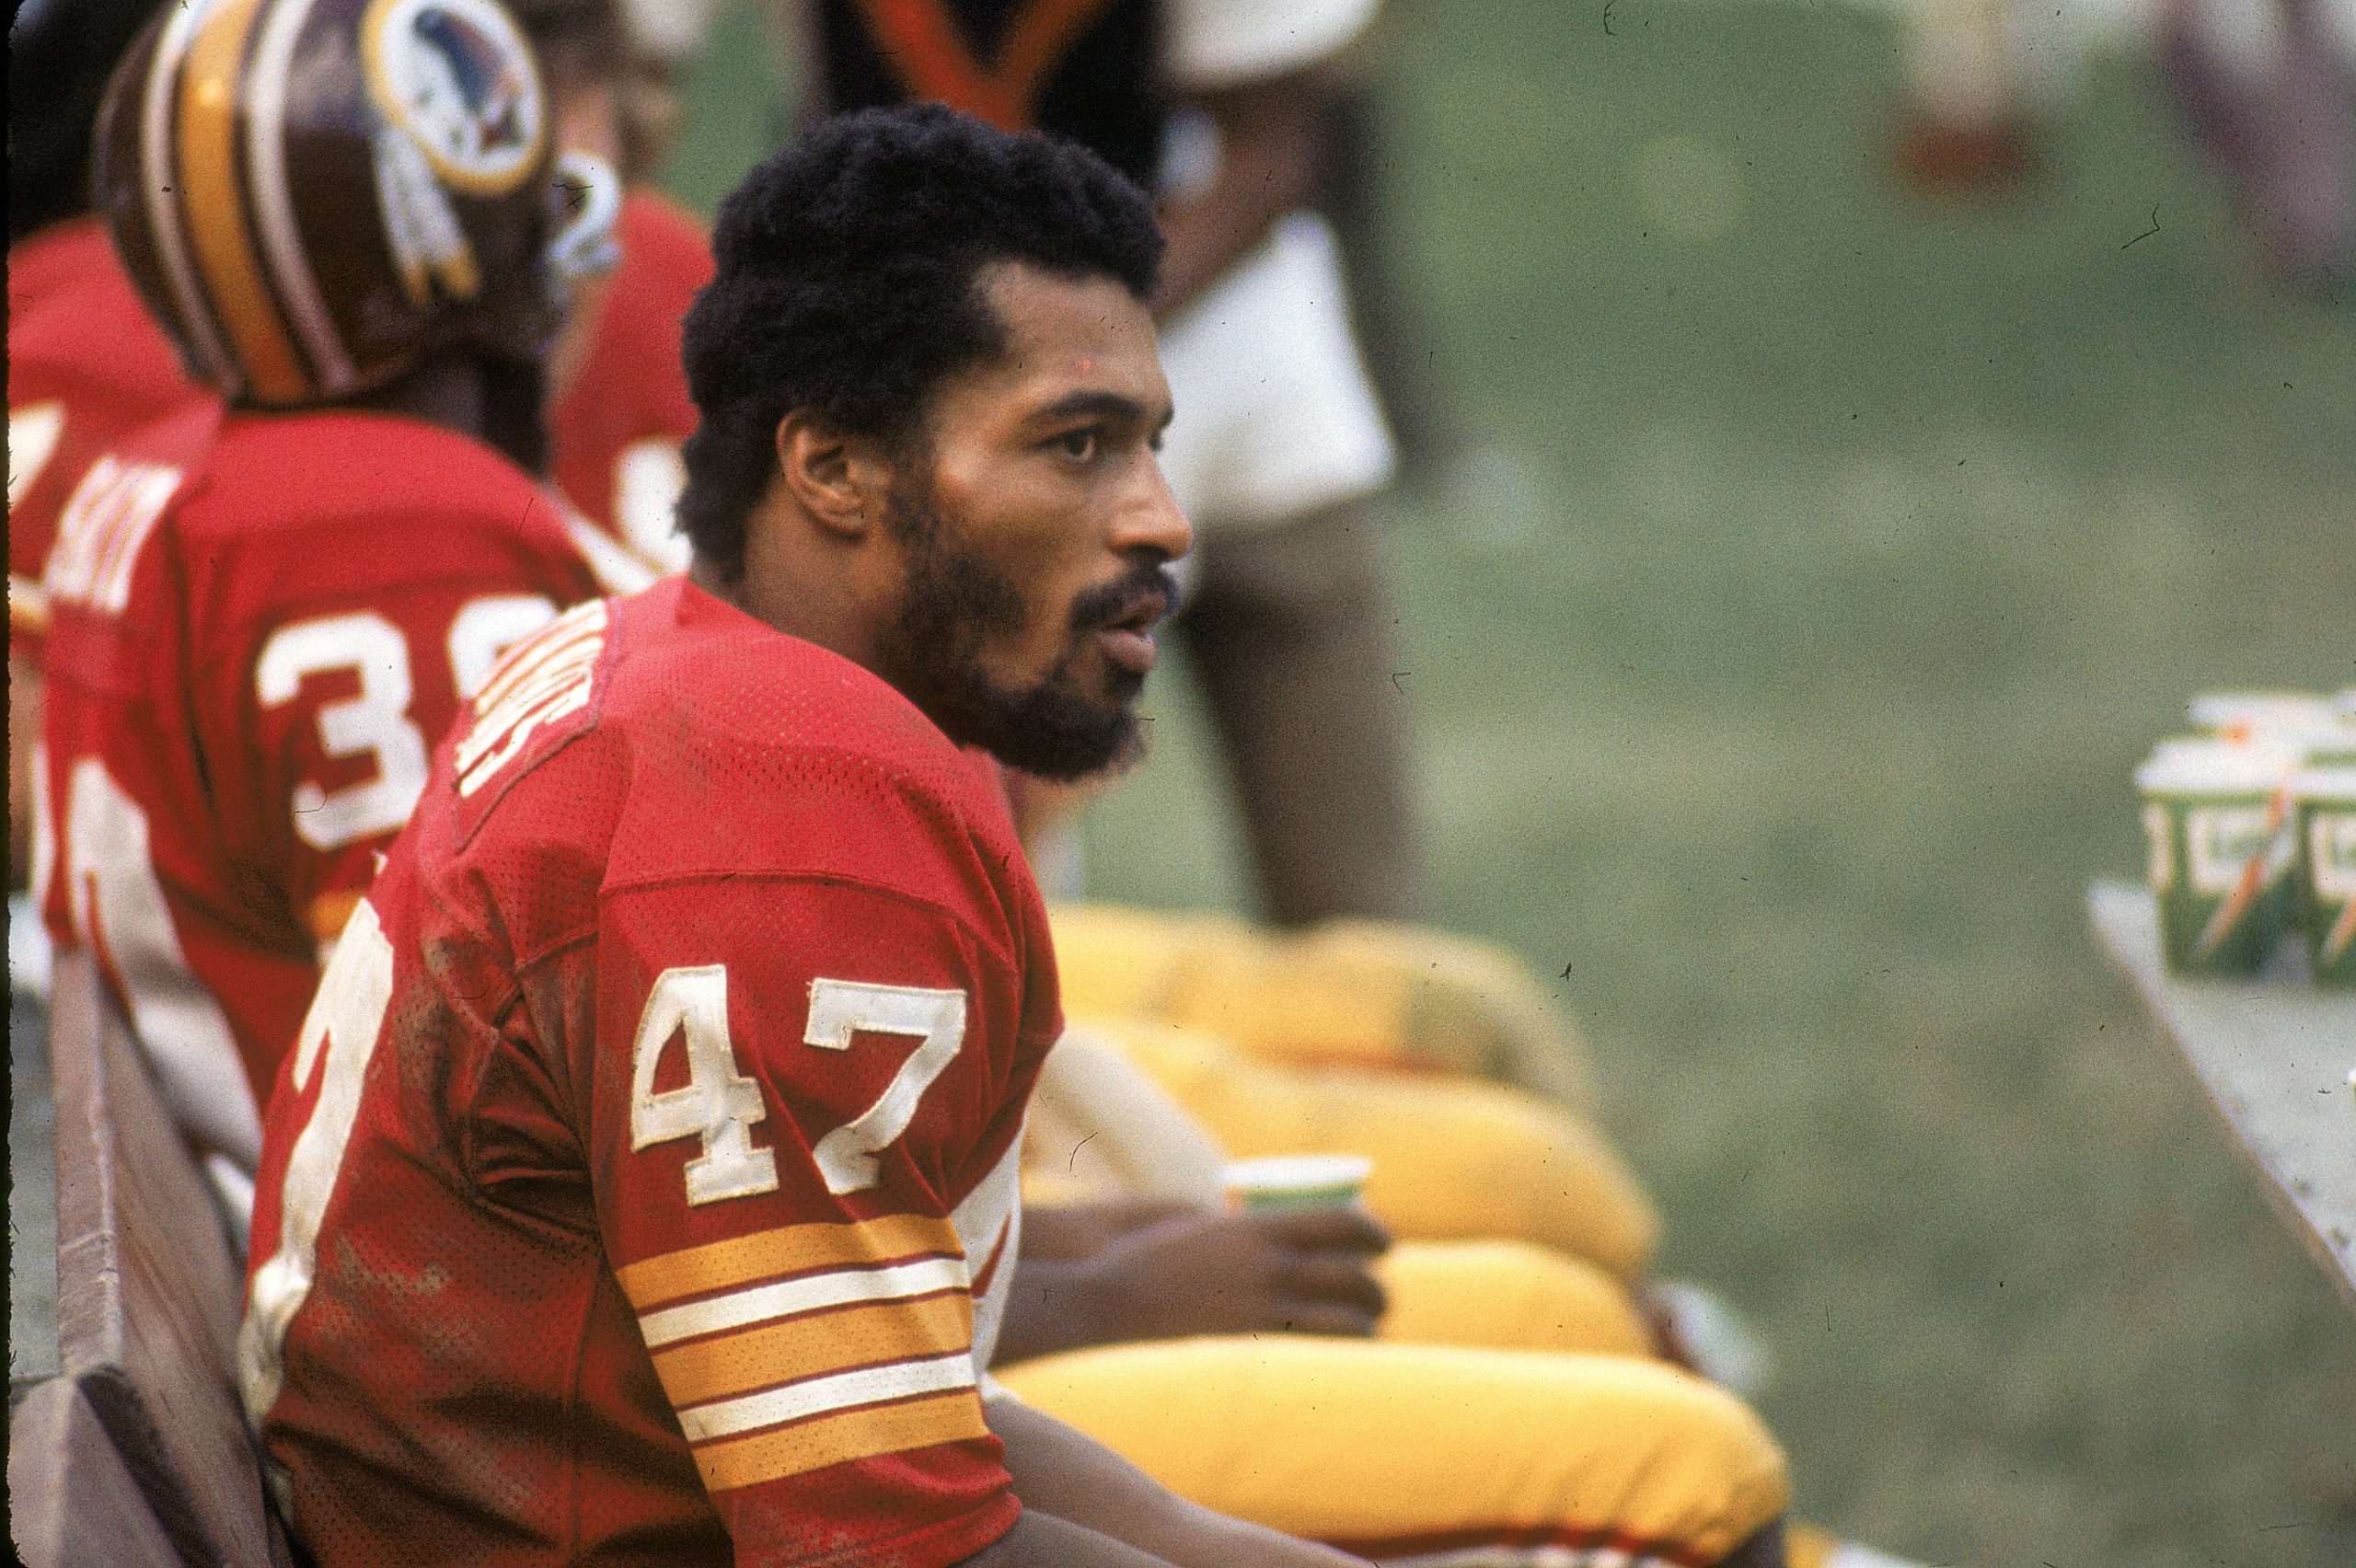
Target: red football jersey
(615, 434)
(86, 367)
(643, 1187)
(259, 626)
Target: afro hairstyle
(847, 286)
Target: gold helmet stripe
(271, 194)
(160, 191)
(215, 204)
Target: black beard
(953, 603)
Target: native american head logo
(463, 114)
(457, 78)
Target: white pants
(1276, 418)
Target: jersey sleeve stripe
(330, 911)
(997, 1252)
(837, 1439)
(825, 1396)
(28, 607)
(617, 570)
(787, 1299)
(792, 1248)
(814, 1345)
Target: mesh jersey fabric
(258, 625)
(598, 1221)
(86, 367)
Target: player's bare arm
(1078, 1482)
(1308, 1272)
(1271, 137)
(1064, 1233)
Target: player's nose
(1149, 517)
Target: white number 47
(719, 1103)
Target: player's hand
(1069, 1232)
(1306, 1271)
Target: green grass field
(1780, 670)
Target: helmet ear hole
(368, 186)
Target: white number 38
(719, 1104)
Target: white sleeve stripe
(617, 570)
(821, 1396)
(837, 1288)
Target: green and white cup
(1285, 1181)
(2218, 817)
(2323, 803)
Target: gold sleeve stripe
(834, 1439)
(807, 1347)
(28, 605)
(212, 199)
(792, 1248)
(330, 911)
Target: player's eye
(1077, 446)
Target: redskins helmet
(313, 195)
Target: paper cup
(1297, 1181)
(2323, 803)
(2218, 817)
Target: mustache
(1150, 587)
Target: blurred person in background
(1221, 107)
(2266, 89)
(85, 362)
(2268, 92)
(265, 607)
(1967, 124)
(621, 408)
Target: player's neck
(799, 581)
(495, 404)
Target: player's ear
(838, 478)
